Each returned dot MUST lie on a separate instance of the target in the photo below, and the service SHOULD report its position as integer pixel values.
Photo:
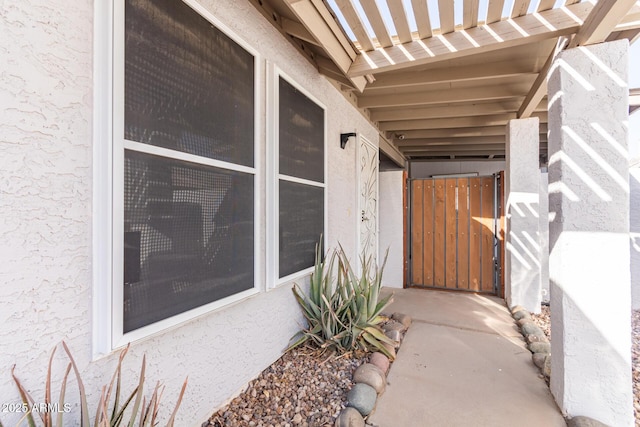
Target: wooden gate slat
(450, 215)
(475, 234)
(427, 265)
(439, 233)
(463, 233)
(487, 234)
(417, 233)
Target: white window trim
(274, 177)
(108, 160)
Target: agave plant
(343, 313)
(147, 411)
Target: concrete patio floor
(463, 362)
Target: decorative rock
(582, 421)
(517, 308)
(537, 338)
(349, 417)
(522, 314)
(531, 328)
(546, 369)
(402, 318)
(370, 374)
(393, 326)
(380, 360)
(395, 336)
(540, 347)
(525, 320)
(538, 359)
(363, 398)
(297, 419)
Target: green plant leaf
(140, 388)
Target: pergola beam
(459, 122)
(601, 21)
(335, 44)
(459, 132)
(539, 88)
(499, 35)
(485, 93)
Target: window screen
(301, 163)
(189, 236)
(188, 86)
(188, 226)
(301, 225)
(301, 134)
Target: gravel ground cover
(301, 388)
(543, 320)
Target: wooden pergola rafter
(416, 71)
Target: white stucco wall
(46, 171)
(634, 229)
(483, 168)
(543, 236)
(391, 227)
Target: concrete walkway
(462, 363)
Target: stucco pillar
(543, 237)
(522, 181)
(634, 228)
(589, 233)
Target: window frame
(109, 148)
(274, 73)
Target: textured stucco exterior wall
(484, 168)
(391, 224)
(634, 229)
(46, 201)
(589, 233)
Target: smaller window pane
(188, 236)
(301, 225)
(301, 135)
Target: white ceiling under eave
(446, 91)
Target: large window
(300, 178)
(184, 167)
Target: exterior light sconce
(344, 137)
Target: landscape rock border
(537, 342)
(371, 378)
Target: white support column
(543, 237)
(522, 181)
(589, 233)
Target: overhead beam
(377, 23)
(519, 8)
(440, 111)
(601, 21)
(482, 93)
(489, 70)
(355, 23)
(457, 132)
(323, 31)
(391, 150)
(298, 31)
(470, 13)
(447, 16)
(421, 13)
(399, 16)
(539, 88)
(449, 142)
(545, 5)
(494, 11)
(499, 35)
(460, 122)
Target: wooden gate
(453, 242)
